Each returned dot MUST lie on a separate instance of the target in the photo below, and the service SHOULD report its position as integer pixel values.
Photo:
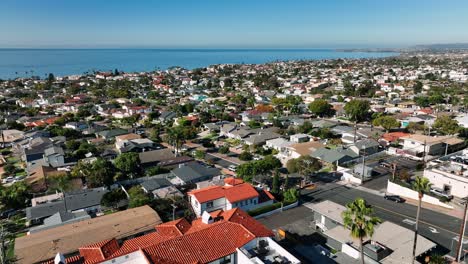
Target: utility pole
(424, 155)
(446, 148)
(462, 231)
(363, 161)
(394, 165)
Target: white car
(232, 168)
(441, 193)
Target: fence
(295, 204)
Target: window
(255, 201)
(209, 205)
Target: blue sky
(231, 23)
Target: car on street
(441, 193)
(232, 168)
(394, 198)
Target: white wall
(350, 251)
(458, 184)
(394, 188)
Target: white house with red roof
(219, 237)
(234, 194)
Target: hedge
(268, 208)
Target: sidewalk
(456, 212)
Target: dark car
(394, 198)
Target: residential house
(111, 134)
(334, 156)
(365, 147)
(10, 136)
(234, 193)
(166, 117)
(83, 200)
(299, 138)
(416, 145)
(78, 126)
(161, 157)
(392, 138)
(259, 138)
(297, 150)
(204, 240)
(66, 239)
(192, 172)
(450, 177)
(390, 243)
(278, 144)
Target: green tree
(276, 182)
(245, 156)
(14, 196)
(137, 197)
(321, 108)
(99, 173)
(446, 125)
(128, 163)
(357, 111)
(199, 154)
(304, 165)
(223, 149)
(417, 87)
(113, 198)
(156, 170)
(422, 186)
(359, 219)
(387, 122)
(9, 169)
(291, 195)
(176, 137)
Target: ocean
(40, 62)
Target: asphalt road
(435, 226)
(219, 161)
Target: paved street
(439, 227)
(219, 160)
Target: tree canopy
(357, 110)
(446, 125)
(322, 108)
(387, 122)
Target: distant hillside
(448, 46)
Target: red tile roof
(394, 136)
(197, 242)
(233, 181)
(236, 193)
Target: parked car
(441, 193)
(257, 157)
(394, 198)
(232, 168)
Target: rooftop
(68, 238)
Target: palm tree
(358, 218)
(175, 137)
(422, 186)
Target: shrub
(223, 150)
(245, 156)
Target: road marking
(464, 240)
(426, 223)
(433, 230)
(409, 221)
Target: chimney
(59, 259)
(206, 218)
